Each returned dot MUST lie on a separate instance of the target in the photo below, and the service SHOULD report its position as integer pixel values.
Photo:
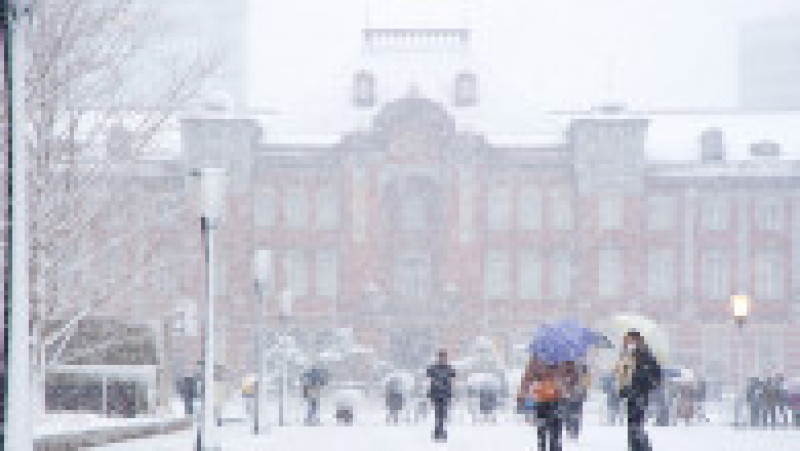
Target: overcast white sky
(534, 54)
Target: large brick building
(417, 228)
(416, 233)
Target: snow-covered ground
(506, 437)
(509, 434)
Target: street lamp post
(212, 204)
(740, 304)
(285, 311)
(17, 433)
(263, 271)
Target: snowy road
(472, 438)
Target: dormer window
(364, 89)
(466, 90)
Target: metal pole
(259, 401)
(18, 434)
(282, 393)
(742, 377)
(208, 367)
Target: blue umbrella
(551, 346)
(580, 336)
(563, 341)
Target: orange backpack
(545, 390)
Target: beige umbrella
(617, 326)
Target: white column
(19, 434)
(689, 267)
(742, 206)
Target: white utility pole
(18, 434)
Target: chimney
(765, 150)
(712, 145)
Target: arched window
(466, 89)
(364, 89)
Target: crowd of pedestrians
(768, 402)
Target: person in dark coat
(755, 397)
(487, 401)
(643, 375)
(783, 399)
(394, 401)
(441, 375)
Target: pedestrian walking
(771, 400)
(755, 399)
(576, 386)
(783, 399)
(611, 390)
(640, 375)
(441, 376)
(312, 393)
(395, 401)
(542, 387)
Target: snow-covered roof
(756, 168)
(676, 137)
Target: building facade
(417, 234)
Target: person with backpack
(642, 376)
(440, 392)
(542, 388)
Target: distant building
(418, 229)
(769, 70)
(416, 233)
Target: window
(327, 273)
(413, 214)
(660, 212)
(264, 207)
(499, 207)
(364, 89)
(769, 274)
(769, 213)
(561, 209)
(715, 274)
(714, 212)
(296, 207)
(497, 274)
(466, 89)
(610, 211)
(466, 205)
(327, 207)
(529, 277)
(529, 208)
(413, 275)
(610, 276)
(661, 273)
(297, 272)
(561, 274)
(360, 188)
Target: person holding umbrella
(541, 389)
(640, 374)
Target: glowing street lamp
(741, 308)
(740, 305)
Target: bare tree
(91, 120)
